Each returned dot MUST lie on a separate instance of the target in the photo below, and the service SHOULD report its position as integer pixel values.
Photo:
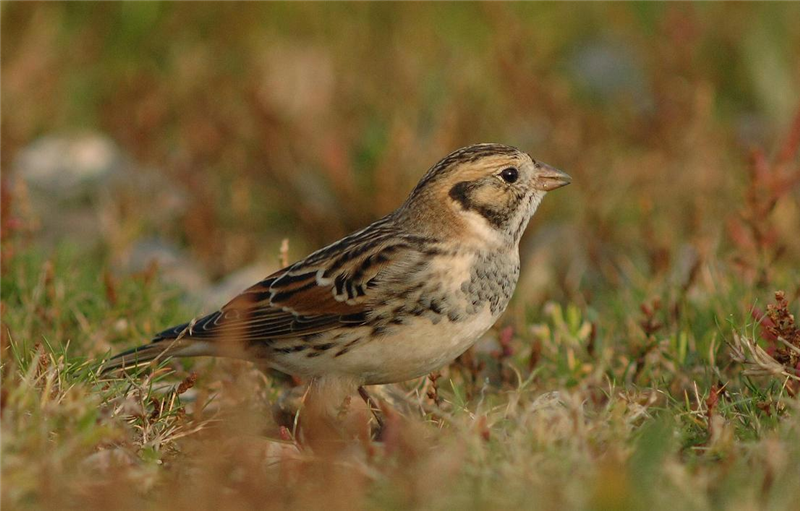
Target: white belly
(415, 350)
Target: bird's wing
(336, 286)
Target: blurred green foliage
(314, 118)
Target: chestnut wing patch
(258, 325)
(264, 312)
(308, 299)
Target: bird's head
(489, 190)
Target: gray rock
(610, 71)
(175, 266)
(66, 167)
(549, 251)
(82, 189)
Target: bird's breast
(424, 320)
(435, 316)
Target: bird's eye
(510, 175)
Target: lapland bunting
(393, 301)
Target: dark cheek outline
(460, 194)
(498, 218)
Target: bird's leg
(374, 408)
(326, 425)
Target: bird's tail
(155, 351)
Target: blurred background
(155, 156)
(196, 137)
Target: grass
(641, 365)
(622, 405)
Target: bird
(393, 301)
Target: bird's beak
(549, 178)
